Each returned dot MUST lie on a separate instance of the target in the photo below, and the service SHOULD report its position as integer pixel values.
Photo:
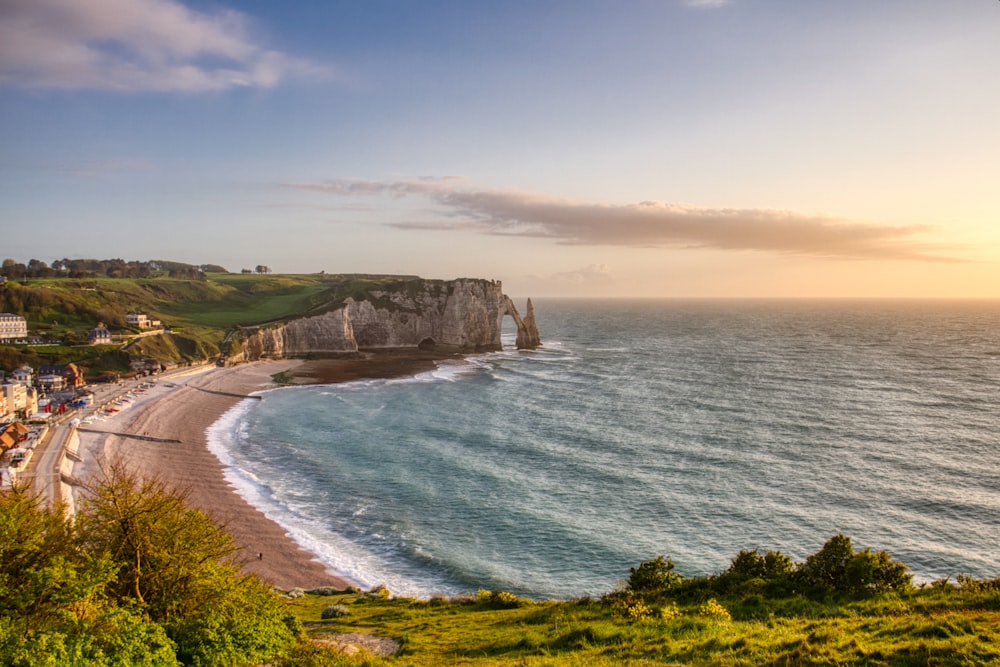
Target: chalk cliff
(463, 315)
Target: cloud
(592, 274)
(135, 45)
(643, 224)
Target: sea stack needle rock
(528, 337)
(464, 315)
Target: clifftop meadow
(186, 315)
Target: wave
(551, 472)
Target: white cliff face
(326, 334)
(463, 315)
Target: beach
(181, 407)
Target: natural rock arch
(528, 337)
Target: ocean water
(692, 429)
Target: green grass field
(200, 312)
(940, 626)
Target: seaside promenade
(162, 433)
(50, 470)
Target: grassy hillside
(199, 312)
(941, 624)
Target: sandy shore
(183, 407)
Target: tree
(12, 269)
(163, 549)
(171, 561)
(38, 269)
(52, 607)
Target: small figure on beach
(260, 556)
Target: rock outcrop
(464, 315)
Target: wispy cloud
(647, 223)
(592, 274)
(135, 45)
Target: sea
(689, 429)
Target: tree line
(105, 268)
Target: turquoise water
(693, 429)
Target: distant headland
(112, 318)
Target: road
(43, 472)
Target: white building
(12, 327)
(99, 335)
(23, 375)
(19, 399)
(51, 382)
(141, 321)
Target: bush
(498, 599)
(653, 576)
(713, 609)
(752, 573)
(837, 568)
(633, 609)
(380, 592)
(334, 611)
(670, 612)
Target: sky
(636, 148)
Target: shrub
(713, 609)
(504, 599)
(633, 609)
(379, 592)
(967, 583)
(498, 599)
(837, 568)
(746, 565)
(334, 611)
(670, 612)
(653, 576)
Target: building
(73, 375)
(12, 327)
(57, 378)
(99, 335)
(23, 375)
(19, 401)
(141, 321)
(12, 434)
(50, 382)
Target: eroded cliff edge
(463, 315)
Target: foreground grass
(941, 626)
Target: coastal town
(33, 400)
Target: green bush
(837, 568)
(653, 576)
